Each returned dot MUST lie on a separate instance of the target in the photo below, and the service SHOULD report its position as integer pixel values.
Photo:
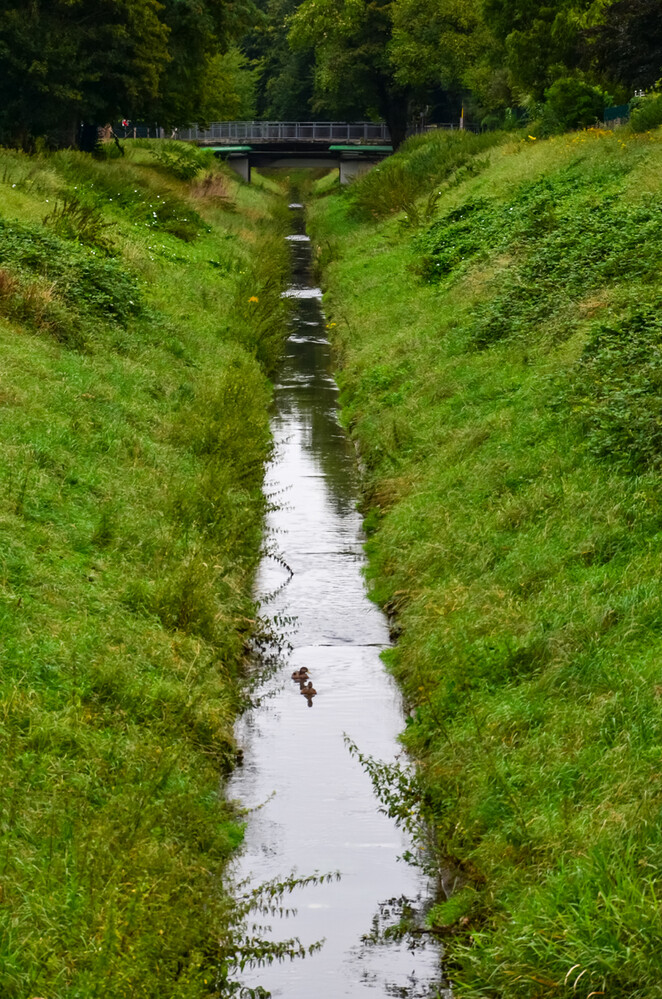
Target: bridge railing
(287, 131)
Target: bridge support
(241, 164)
(352, 168)
(355, 160)
(351, 160)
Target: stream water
(312, 806)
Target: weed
(617, 389)
(78, 277)
(71, 219)
(182, 160)
(396, 184)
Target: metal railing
(140, 132)
(287, 131)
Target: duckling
(300, 675)
(308, 690)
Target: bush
(78, 276)
(563, 245)
(180, 159)
(646, 112)
(572, 103)
(83, 223)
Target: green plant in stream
(403, 799)
(246, 946)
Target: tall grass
(423, 162)
(133, 434)
(506, 404)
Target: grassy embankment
(139, 316)
(500, 346)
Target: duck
(300, 675)
(308, 690)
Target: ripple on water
(302, 293)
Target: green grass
(133, 429)
(507, 406)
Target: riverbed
(311, 807)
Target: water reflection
(317, 810)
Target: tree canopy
(178, 62)
(354, 74)
(390, 57)
(70, 60)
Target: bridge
(317, 133)
(353, 147)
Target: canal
(311, 807)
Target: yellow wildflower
(253, 298)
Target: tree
(541, 40)
(445, 47)
(66, 60)
(198, 31)
(434, 40)
(354, 74)
(285, 87)
(228, 88)
(626, 46)
(70, 60)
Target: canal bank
(135, 309)
(498, 343)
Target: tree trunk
(397, 119)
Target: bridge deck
(258, 132)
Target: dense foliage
(501, 59)
(72, 60)
(183, 61)
(506, 396)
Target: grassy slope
(133, 430)
(501, 371)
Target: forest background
(505, 62)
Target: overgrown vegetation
(500, 372)
(134, 401)
(394, 186)
(646, 111)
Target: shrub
(78, 276)
(646, 112)
(179, 158)
(71, 219)
(563, 246)
(572, 103)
